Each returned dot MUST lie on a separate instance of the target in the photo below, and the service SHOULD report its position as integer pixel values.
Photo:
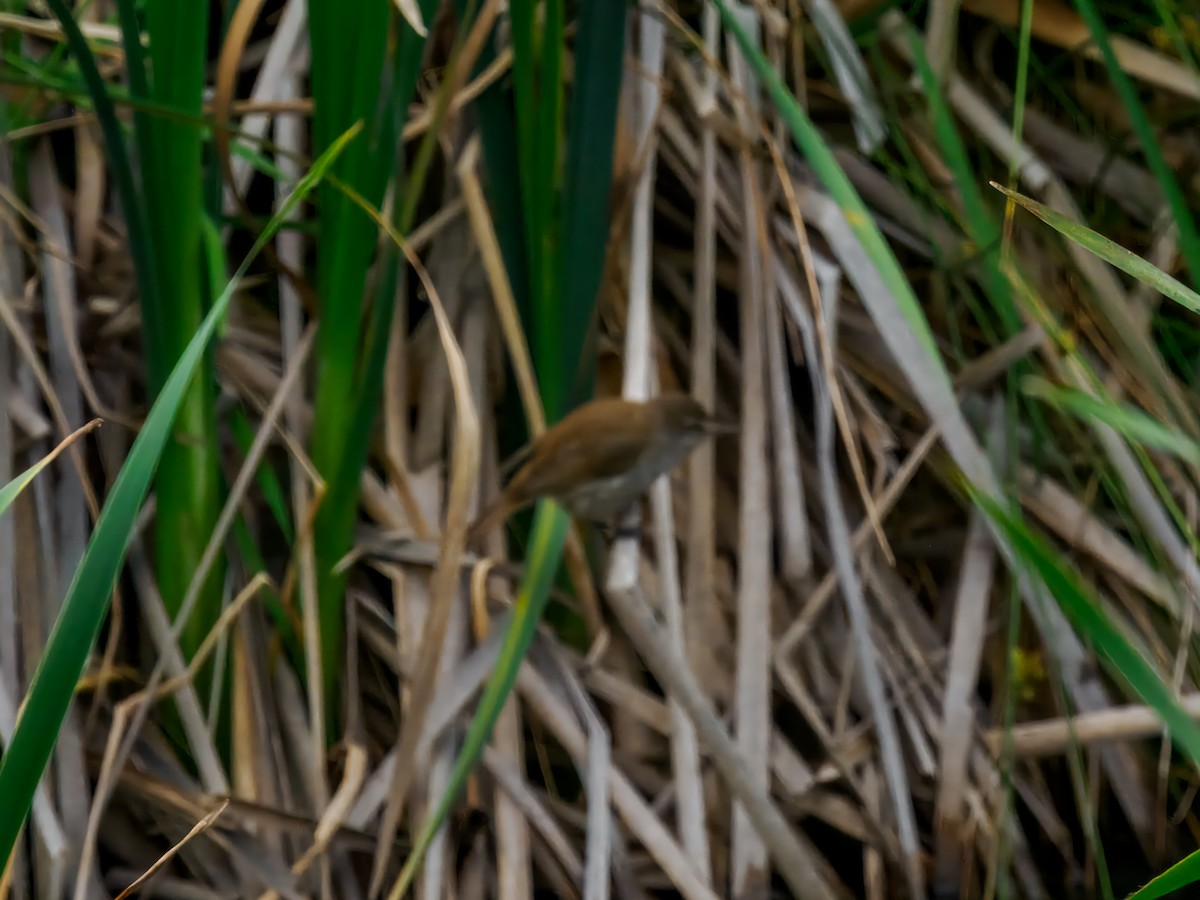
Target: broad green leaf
(356, 49)
(587, 186)
(87, 598)
(1180, 875)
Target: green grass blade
(215, 262)
(564, 266)
(549, 348)
(981, 225)
(524, 68)
(549, 531)
(587, 182)
(349, 63)
(1021, 90)
(1180, 875)
(1189, 237)
(135, 65)
(369, 394)
(86, 602)
(268, 482)
(171, 152)
(1114, 254)
(821, 158)
(163, 221)
(537, 55)
(1127, 663)
(1132, 423)
(136, 216)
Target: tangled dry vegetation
(842, 605)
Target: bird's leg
(628, 525)
(624, 527)
(604, 529)
(617, 531)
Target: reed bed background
(924, 627)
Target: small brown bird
(599, 460)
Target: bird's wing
(578, 459)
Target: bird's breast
(602, 499)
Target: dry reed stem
(756, 535)
(466, 454)
(200, 827)
(958, 713)
(829, 768)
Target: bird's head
(683, 415)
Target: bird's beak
(716, 426)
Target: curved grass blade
(1114, 254)
(87, 598)
(132, 201)
(1189, 237)
(463, 468)
(546, 542)
(10, 491)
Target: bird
(603, 456)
